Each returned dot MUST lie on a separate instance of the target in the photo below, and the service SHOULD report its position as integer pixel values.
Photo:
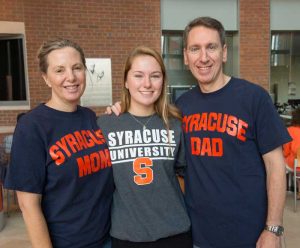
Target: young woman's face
(145, 83)
(65, 76)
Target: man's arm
(34, 219)
(276, 190)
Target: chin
(73, 100)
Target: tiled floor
(14, 235)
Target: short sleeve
(180, 159)
(270, 129)
(27, 169)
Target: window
(13, 67)
(180, 79)
(12, 71)
(285, 69)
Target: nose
(70, 75)
(204, 55)
(147, 82)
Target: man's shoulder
(247, 89)
(247, 85)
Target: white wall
(285, 14)
(176, 14)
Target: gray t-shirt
(148, 203)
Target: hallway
(14, 235)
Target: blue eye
(194, 49)
(156, 76)
(212, 47)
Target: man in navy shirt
(235, 179)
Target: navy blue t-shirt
(64, 157)
(226, 133)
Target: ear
(126, 85)
(224, 59)
(185, 57)
(46, 80)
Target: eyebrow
(151, 72)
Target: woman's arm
(30, 205)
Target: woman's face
(66, 77)
(144, 82)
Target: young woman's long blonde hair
(162, 106)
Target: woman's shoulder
(107, 119)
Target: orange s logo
(144, 173)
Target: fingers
(115, 110)
(118, 106)
(108, 110)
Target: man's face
(205, 56)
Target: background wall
(109, 29)
(104, 29)
(285, 15)
(175, 14)
(254, 32)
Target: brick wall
(255, 41)
(107, 29)
(111, 28)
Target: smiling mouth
(146, 92)
(72, 88)
(204, 68)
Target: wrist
(277, 230)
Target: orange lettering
(241, 130)
(80, 140)
(89, 142)
(221, 122)
(63, 145)
(105, 158)
(206, 147)
(194, 124)
(231, 125)
(84, 166)
(144, 173)
(72, 142)
(100, 136)
(195, 145)
(203, 122)
(94, 138)
(211, 125)
(56, 155)
(185, 123)
(217, 147)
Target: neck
(141, 111)
(71, 107)
(214, 86)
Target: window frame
(18, 34)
